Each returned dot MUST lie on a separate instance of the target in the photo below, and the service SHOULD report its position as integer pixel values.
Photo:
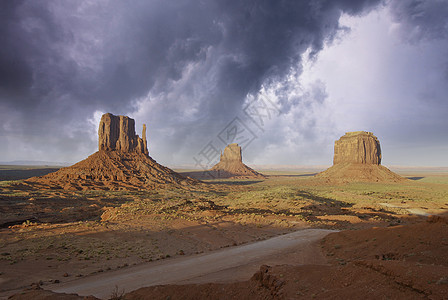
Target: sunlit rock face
(357, 147)
(357, 158)
(232, 153)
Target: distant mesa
(122, 163)
(231, 165)
(357, 157)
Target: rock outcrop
(359, 147)
(231, 156)
(122, 163)
(231, 165)
(118, 133)
(357, 157)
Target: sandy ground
(50, 236)
(226, 265)
(63, 253)
(398, 262)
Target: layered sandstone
(360, 147)
(122, 163)
(232, 154)
(357, 157)
(231, 165)
(118, 133)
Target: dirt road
(225, 265)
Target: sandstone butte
(231, 165)
(357, 157)
(118, 133)
(122, 162)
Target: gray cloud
(421, 19)
(425, 23)
(379, 79)
(186, 67)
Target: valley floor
(55, 236)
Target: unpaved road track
(224, 265)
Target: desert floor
(54, 236)
(220, 266)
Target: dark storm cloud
(422, 19)
(61, 61)
(425, 22)
(15, 74)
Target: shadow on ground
(24, 173)
(295, 175)
(415, 178)
(17, 208)
(234, 182)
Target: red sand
(401, 262)
(112, 170)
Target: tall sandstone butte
(357, 157)
(232, 154)
(231, 165)
(122, 162)
(118, 133)
(360, 147)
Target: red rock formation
(122, 163)
(112, 170)
(231, 155)
(145, 143)
(357, 147)
(357, 157)
(231, 165)
(118, 133)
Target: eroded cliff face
(357, 147)
(232, 153)
(118, 133)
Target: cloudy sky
(285, 79)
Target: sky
(284, 79)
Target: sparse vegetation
(117, 294)
(107, 229)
